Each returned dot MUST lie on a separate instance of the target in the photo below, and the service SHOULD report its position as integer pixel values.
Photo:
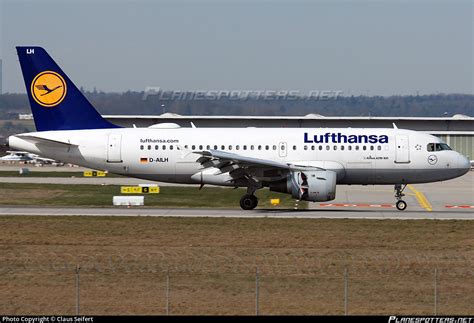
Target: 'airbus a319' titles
(306, 163)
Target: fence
(130, 287)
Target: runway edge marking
(459, 206)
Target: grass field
(211, 264)
(101, 195)
(33, 173)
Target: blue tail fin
(55, 101)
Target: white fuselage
(357, 155)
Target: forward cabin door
(114, 148)
(402, 149)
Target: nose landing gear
(401, 204)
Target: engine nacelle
(315, 185)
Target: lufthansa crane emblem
(432, 159)
(48, 89)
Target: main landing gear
(249, 201)
(401, 204)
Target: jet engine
(313, 185)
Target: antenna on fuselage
(394, 125)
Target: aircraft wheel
(401, 205)
(248, 202)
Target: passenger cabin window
(438, 147)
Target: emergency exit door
(402, 149)
(282, 149)
(114, 149)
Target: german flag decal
(143, 160)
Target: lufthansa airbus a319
(306, 163)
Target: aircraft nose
(464, 163)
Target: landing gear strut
(401, 204)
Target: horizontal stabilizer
(41, 140)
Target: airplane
(306, 163)
(14, 156)
(24, 156)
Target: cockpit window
(437, 147)
(445, 147)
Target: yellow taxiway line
(421, 198)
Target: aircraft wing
(223, 158)
(242, 167)
(17, 153)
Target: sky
(357, 47)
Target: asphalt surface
(235, 213)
